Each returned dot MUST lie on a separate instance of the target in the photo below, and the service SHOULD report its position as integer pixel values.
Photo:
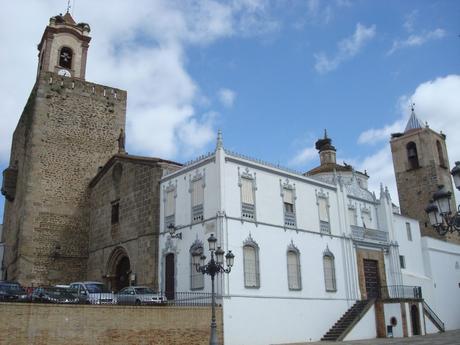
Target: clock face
(64, 73)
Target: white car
(93, 292)
(140, 295)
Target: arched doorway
(118, 269)
(415, 320)
(169, 276)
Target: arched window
(293, 268)
(196, 278)
(329, 271)
(412, 155)
(65, 57)
(442, 162)
(251, 263)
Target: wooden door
(371, 277)
(169, 277)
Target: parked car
(93, 292)
(140, 295)
(54, 295)
(12, 291)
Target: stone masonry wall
(135, 184)
(71, 130)
(44, 324)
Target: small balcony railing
(361, 233)
(400, 292)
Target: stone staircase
(346, 323)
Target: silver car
(140, 295)
(93, 292)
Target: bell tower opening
(64, 46)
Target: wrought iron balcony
(400, 292)
(362, 233)
(289, 219)
(324, 227)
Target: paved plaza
(447, 338)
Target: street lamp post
(213, 267)
(442, 218)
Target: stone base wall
(44, 324)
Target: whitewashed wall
(442, 262)
(365, 328)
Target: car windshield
(96, 288)
(144, 291)
(58, 292)
(11, 288)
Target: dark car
(54, 295)
(12, 291)
(140, 295)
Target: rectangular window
(197, 279)
(402, 261)
(323, 210)
(115, 212)
(247, 198)
(293, 263)
(170, 208)
(329, 274)
(197, 201)
(352, 216)
(251, 270)
(409, 232)
(288, 204)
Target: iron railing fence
(400, 292)
(53, 295)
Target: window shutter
(323, 212)
(329, 273)
(250, 266)
(352, 216)
(247, 195)
(293, 270)
(196, 278)
(197, 192)
(288, 196)
(170, 204)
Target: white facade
(276, 214)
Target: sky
(272, 75)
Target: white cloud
(140, 47)
(304, 156)
(227, 97)
(417, 40)
(437, 103)
(347, 48)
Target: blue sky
(272, 75)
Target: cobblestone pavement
(447, 338)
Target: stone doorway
(118, 269)
(371, 273)
(169, 276)
(415, 319)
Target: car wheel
(138, 302)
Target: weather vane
(412, 106)
(68, 6)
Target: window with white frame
(409, 232)
(251, 264)
(352, 217)
(247, 197)
(196, 278)
(293, 268)
(170, 206)
(288, 194)
(329, 271)
(402, 261)
(197, 193)
(322, 200)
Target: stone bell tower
(420, 163)
(63, 48)
(68, 129)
